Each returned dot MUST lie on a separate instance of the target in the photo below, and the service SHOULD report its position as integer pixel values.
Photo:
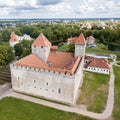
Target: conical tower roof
(41, 40)
(80, 40)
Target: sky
(59, 9)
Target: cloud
(49, 2)
(59, 8)
(96, 7)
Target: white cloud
(59, 8)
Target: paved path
(100, 116)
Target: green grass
(64, 47)
(116, 111)
(118, 63)
(110, 60)
(94, 91)
(101, 51)
(15, 109)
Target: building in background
(14, 39)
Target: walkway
(100, 116)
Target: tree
(6, 54)
(72, 47)
(23, 48)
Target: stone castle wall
(49, 84)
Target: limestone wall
(41, 51)
(79, 50)
(55, 86)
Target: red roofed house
(99, 65)
(90, 40)
(48, 73)
(13, 39)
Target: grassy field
(94, 91)
(101, 51)
(116, 112)
(15, 109)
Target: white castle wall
(51, 85)
(79, 50)
(41, 51)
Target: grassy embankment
(94, 91)
(116, 111)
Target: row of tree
(60, 32)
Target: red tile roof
(31, 61)
(57, 59)
(13, 37)
(80, 40)
(41, 40)
(90, 38)
(72, 39)
(98, 63)
(54, 48)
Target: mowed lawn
(94, 91)
(116, 111)
(15, 109)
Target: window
(46, 89)
(59, 90)
(34, 81)
(47, 84)
(18, 78)
(41, 46)
(35, 87)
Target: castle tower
(80, 46)
(41, 46)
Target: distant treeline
(59, 33)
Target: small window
(52, 90)
(59, 90)
(34, 46)
(34, 81)
(46, 89)
(35, 87)
(47, 84)
(18, 78)
(41, 46)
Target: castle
(48, 73)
